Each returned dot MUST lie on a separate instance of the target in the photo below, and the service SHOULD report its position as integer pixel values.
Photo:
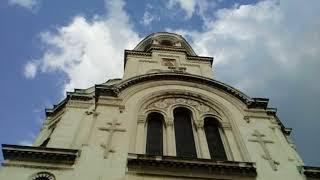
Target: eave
(115, 89)
(149, 53)
(188, 167)
(311, 172)
(39, 154)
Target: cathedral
(166, 119)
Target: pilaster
(203, 144)
(140, 137)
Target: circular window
(43, 176)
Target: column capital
(199, 124)
(226, 126)
(142, 118)
(168, 121)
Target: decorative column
(232, 149)
(140, 135)
(171, 148)
(204, 149)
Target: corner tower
(166, 119)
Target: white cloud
(30, 137)
(147, 18)
(28, 4)
(187, 5)
(258, 42)
(25, 143)
(191, 7)
(30, 70)
(89, 51)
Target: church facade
(167, 118)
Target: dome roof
(165, 40)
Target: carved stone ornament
(43, 176)
(166, 102)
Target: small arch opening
(166, 42)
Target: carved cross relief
(92, 111)
(173, 64)
(267, 156)
(112, 128)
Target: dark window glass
(166, 43)
(42, 178)
(154, 142)
(211, 128)
(185, 145)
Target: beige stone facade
(100, 133)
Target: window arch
(185, 145)
(216, 148)
(43, 176)
(154, 142)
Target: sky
(264, 48)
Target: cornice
(115, 89)
(200, 58)
(39, 154)
(148, 53)
(134, 53)
(77, 95)
(251, 102)
(311, 172)
(205, 167)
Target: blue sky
(264, 48)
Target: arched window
(154, 144)
(185, 145)
(211, 128)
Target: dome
(165, 40)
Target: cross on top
(259, 139)
(111, 129)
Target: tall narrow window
(211, 128)
(185, 145)
(154, 142)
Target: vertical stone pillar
(231, 147)
(86, 129)
(171, 148)
(204, 149)
(65, 132)
(287, 145)
(140, 135)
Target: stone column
(171, 148)
(231, 146)
(140, 135)
(204, 149)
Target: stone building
(167, 118)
